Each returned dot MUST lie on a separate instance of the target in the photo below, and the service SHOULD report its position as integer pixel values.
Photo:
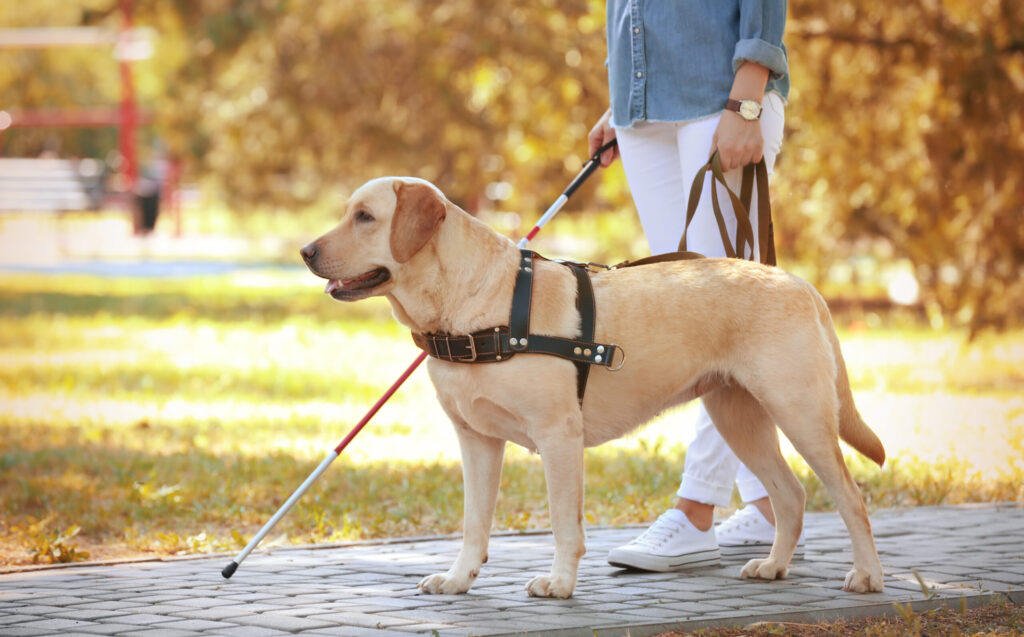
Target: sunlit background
(169, 372)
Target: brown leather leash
(740, 206)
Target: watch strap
(736, 105)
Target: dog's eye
(363, 217)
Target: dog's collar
(502, 343)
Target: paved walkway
(959, 552)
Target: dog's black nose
(309, 252)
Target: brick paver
(969, 551)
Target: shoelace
(657, 533)
(740, 519)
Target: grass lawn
(170, 416)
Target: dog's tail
(852, 428)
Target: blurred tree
(905, 126)
(287, 99)
(906, 137)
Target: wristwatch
(748, 109)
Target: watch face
(750, 109)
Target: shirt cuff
(764, 53)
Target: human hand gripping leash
(588, 169)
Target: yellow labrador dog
(755, 343)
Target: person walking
(685, 79)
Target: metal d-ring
(621, 363)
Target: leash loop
(741, 205)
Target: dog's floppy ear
(418, 212)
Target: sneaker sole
(754, 550)
(664, 564)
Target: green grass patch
(174, 416)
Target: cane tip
(229, 570)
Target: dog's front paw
(861, 581)
(445, 584)
(550, 586)
(763, 569)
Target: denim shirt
(674, 60)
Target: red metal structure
(129, 111)
(126, 118)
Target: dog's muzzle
(346, 289)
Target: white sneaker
(747, 533)
(671, 543)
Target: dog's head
(386, 223)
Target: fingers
(738, 142)
(594, 140)
(758, 156)
(600, 139)
(596, 137)
(733, 158)
(601, 134)
(609, 156)
(733, 155)
(738, 154)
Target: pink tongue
(332, 285)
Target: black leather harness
(502, 343)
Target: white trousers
(660, 160)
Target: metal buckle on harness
(497, 344)
(447, 346)
(447, 339)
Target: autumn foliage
(905, 130)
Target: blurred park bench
(50, 185)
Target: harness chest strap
(501, 343)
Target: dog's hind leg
(811, 425)
(866, 574)
(481, 474)
(752, 436)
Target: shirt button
(636, 30)
(639, 74)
